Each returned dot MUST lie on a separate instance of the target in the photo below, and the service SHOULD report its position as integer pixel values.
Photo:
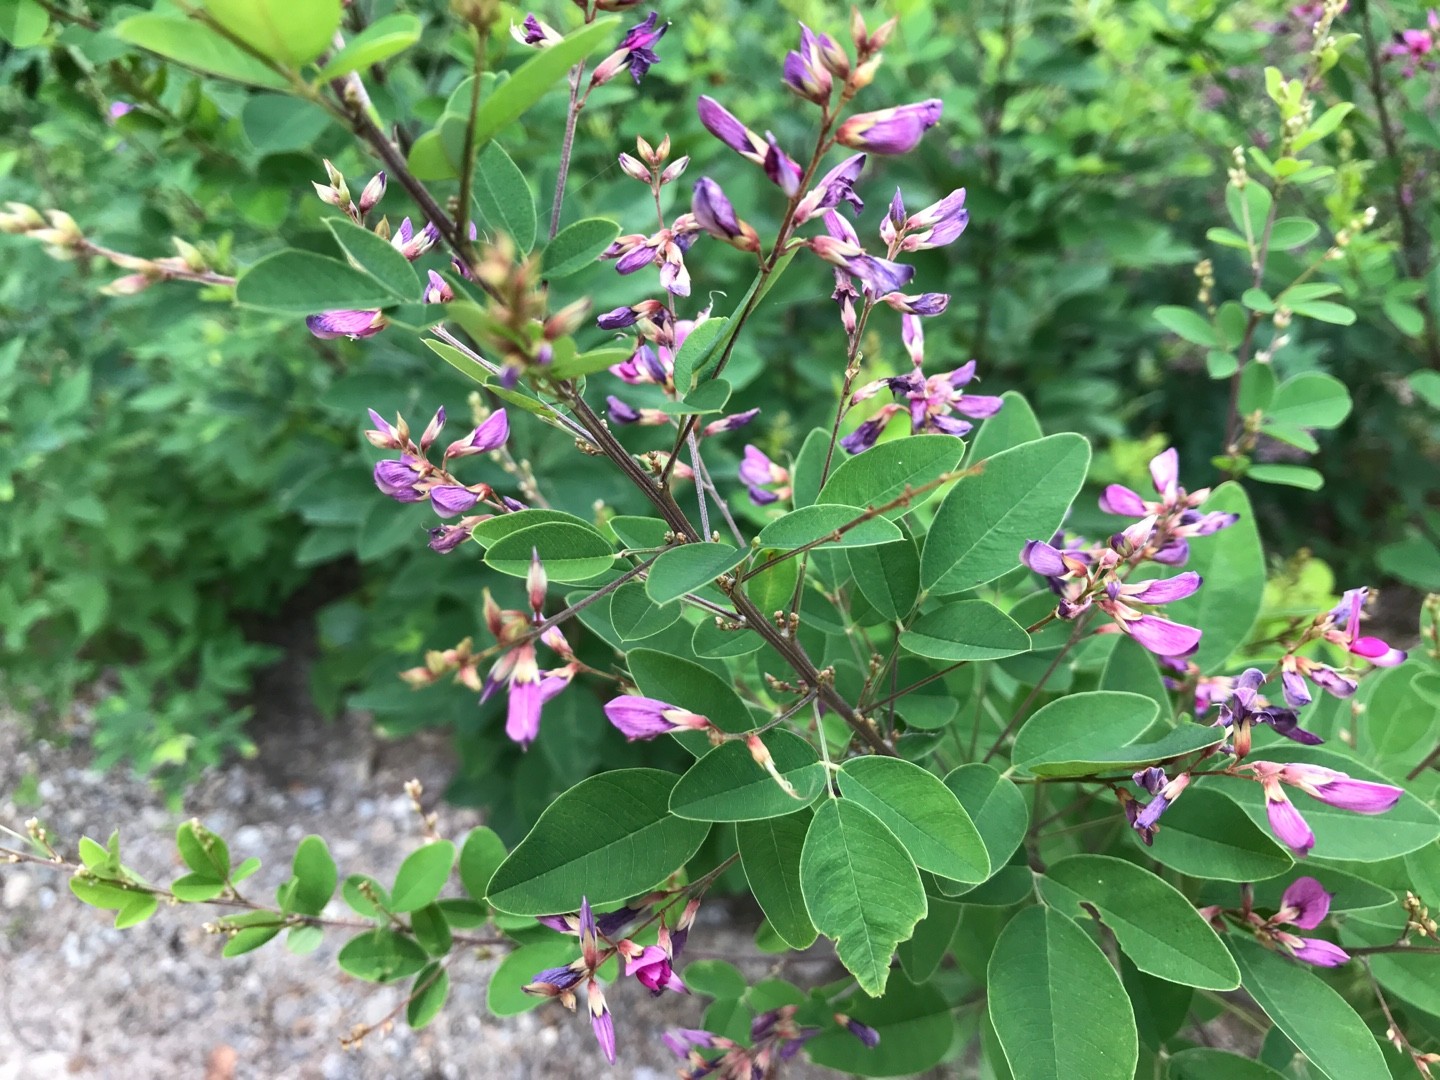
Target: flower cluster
(775, 1036)
(1339, 626)
(1304, 906)
(1176, 516)
(412, 477)
(1417, 48)
(1333, 788)
(601, 938)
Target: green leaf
(709, 397)
(427, 996)
(568, 552)
(257, 928)
(689, 685)
(505, 996)
(379, 41)
(1311, 399)
(377, 258)
(1206, 835)
(381, 956)
(23, 23)
(1232, 563)
(480, 856)
(292, 32)
(422, 875)
(770, 855)
(1288, 475)
(608, 838)
(688, 567)
(533, 79)
(1342, 834)
(577, 246)
(1325, 311)
(966, 630)
(504, 196)
(275, 123)
(639, 532)
(1257, 388)
(1183, 740)
(636, 617)
(358, 901)
(921, 956)
(883, 473)
(1313, 1016)
(1190, 325)
(303, 283)
(697, 350)
(888, 576)
(431, 930)
(861, 889)
(1156, 926)
(1427, 385)
(716, 978)
(195, 45)
(811, 523)
(197, 888)
(1203, 1063)
(1022, 494)
(1325, 124)
(140, 908)
(1291, 232)
(1397, 712)
(1057, 1005)
(1258, 300)
(1071, 728)
(314, 877)
(1013, 425)
(995, 805)
(1131, 668)
(922, 812)
(461, 363)
(202, 850)
(727, 785)
(492, 529)
(915, 1025)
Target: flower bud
(634, 168)
(674, 170)
(373, 193)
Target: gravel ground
(79, 999)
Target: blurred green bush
(175, 469)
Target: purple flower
(535, 33)
(1245, 707)
(1340, 790)
(930, 303)
(651, 965)
(1165, 793)
(867, 434)
(938, 224)
(805, 71)
(725, 127)
(878, 276)
(437, 289)
(1305, 903)
(758, 473)
(451, 499)
(1045, 560)
(346, 324)
(557, 981)
(646, 718)
(1314, 951)
(896, 130)
(397, 479)
(119, 108)
(682, 1040)
(600, 1020)
(835, 187)
(639, 41)
(620, 411)
(866, 1034)
(1349, 609)
(713, 210)
(781, 168)
(733, 422)
(446, 538)
(490, 435)
(413, 245)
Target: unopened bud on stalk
(761, 753)
(674, 170)
(191, 255)
(373, 193)
(634, 168)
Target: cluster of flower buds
(602, 937)
(1339, 626)
(1333, 788)
(1083, 579)
(412, 477)
(635, 53)
(653, 167)
(335, 192)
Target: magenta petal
(1320, 953)
(1377, 652)
(1165, 471)
(1164, 590)
(1361, 796)
(1163, 637)
(522, 721)
(1289, 826)
(1118, 499)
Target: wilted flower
(536, 33)
(1165, 792)
(866, 1034)
(937, 225)
(1246, 707)
(645, 718)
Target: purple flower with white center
(805, 71)
(346, 324)
(385, 435)
(373, 192)
(490, 435)
(760, 475)
(398, 479)
(651, 964)
(412, 244)
(725, 127)
(646, 718)
(835, 187)
(937, 225)
(896, 130)
(437, 289)
(535, 33)
(1246, 707)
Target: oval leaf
(303, 283)
(421, 876)
(966, 630)
(577, 246)
(837, 526)
(727, 785)
(684, 569)
(883, 473)
(770, 855)
(569, 552)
